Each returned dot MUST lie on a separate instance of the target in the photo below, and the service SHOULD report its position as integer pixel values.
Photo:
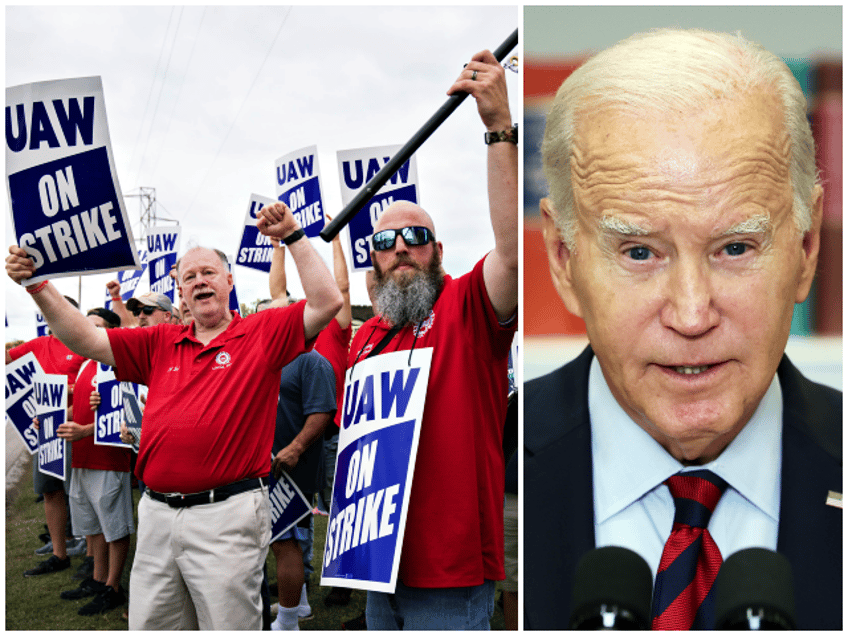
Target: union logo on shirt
(425, 326)
(222, 360)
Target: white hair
(668, 72)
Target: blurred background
(809, 39)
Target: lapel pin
(834, 499)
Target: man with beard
(453, 542)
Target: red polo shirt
(210, 413)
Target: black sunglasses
(146, 310)
(413, 235)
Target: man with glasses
(151, 309)
(453, 543)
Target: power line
(235, 119)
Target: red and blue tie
(690, 561)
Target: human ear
(810, 246)
(560, 258)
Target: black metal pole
(379, 180)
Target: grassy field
(34, 603)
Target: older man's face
(205, 284)
(687, 264)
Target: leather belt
(179, 500)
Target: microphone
(612, 590)
(754, 592)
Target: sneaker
(105, 601)
(304, 613)
(89, 587)
(53, 564)
(76, 547)
(47, 548)
(85, 570)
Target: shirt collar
(628, 463)
(234, 329)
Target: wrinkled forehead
(200, 257)
(403, 214)
(692, 152)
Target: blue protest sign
(110, 411)
(378, 442)
(234, 302)
(41, 327)
(356, 168)
(67, 208)
(128, 279)
(255, 250)
(132, 411)
(51, 404)
(21, 376)
(288, 505)
(163, 243)
(299, 187)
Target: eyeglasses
(147, 311)
(413, 235)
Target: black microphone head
(754, 591)
(612, 590)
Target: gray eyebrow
(618, 225)
(761, 223)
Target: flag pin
(834, 499)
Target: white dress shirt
(635, 510)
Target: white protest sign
(356, 168)
(21, 375)
(255, 250)
(378, 442)
(51, 405)
(163, 243)
(67, 208)
(299, 187)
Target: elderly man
(682, 226)
(204, 523)
(453, 543)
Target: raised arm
(488, 87)
(345, 315)
(118, 306)
(323, 299)
(277, 275)
(64, 320)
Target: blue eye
(735, 249)
(640, 253)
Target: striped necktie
(683, 597)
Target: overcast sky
(200, 101)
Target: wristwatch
(503, 135)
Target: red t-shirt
(333, 343)
(210, 413)
(86, 453)
(454, 528)
(53, 356)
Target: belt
(179, 500)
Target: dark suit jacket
(558, 498)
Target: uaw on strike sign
(66, 203)
(378, 442)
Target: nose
(689, 307)
(400, 245)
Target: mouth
(203, 295)
(692, 370)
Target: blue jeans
(466, 608)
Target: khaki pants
(200, 567)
